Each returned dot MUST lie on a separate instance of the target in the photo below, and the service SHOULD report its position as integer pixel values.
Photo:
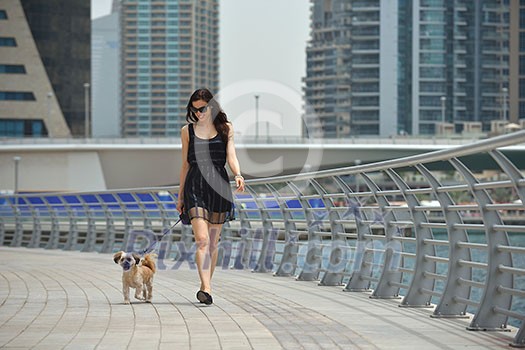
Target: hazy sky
(262, 52)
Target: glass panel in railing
(56, 204)
(37, 204)
(74, 205)
(130, 204)
(93, 203)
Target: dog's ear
(137, 258)
(117, 256)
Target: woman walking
(205, 194)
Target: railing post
(19, 226)
(72, 238)
(263, 263)
(225, 244)
(391, 254)
(360, 268)
(414, 296)
(2, 231)
(313, 260)
(109, 240)
(128, 227)
(54, 234)
(73, 228)
(288, 263)
(242, 259)
(337, 262)
(485, 317)
(187, 236)
(37, 230)
(519, 339)
(448, 305)
(91, 234)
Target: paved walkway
(51, 299)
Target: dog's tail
(149, 261)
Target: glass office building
(169, 48)
(516, 97)
(461, 54)
(405, 66)
(45, 61)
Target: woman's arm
(185, 140)
(233, 162)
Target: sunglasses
(200, 110)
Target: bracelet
(239, 176)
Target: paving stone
(52, 299)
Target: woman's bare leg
(215, 235)
(202, 254)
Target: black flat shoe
(201, 297)
(204, 298)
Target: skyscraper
(516, 98)
(327, 81)
(105, 73)
(44, 63)
(168, 49)
(396, 66)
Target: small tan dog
(137, 273)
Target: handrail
(507, 140)
(450, 239)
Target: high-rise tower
(516, 96)
(44, 64)
(327, 80)
(383, 67)
(168, 49)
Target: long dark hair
(220, 119)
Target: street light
(256, 117)
(16, 159)
(443, 106)
(86, 110)
(505, 92)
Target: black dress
(207, 190)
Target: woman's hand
(180, 206)
(239, 181)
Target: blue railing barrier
(433, 229)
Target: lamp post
(505, 91)
(86, 110)
(17, 160)
(443, 106)
(256, 117)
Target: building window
(12, 69)
(16, 96)
(4, 41)
(22, 127)
(522, 110)
(3, 14)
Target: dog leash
(149, 249)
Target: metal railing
(450, 239)
(455, 139)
